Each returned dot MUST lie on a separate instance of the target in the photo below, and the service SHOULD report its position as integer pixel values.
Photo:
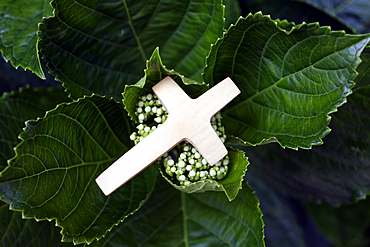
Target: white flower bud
(182, 156)
(182, 178)
(159, 111)
(154, 109)
(198, 165)
(149, 97)
(170, 162)
(158, 119)
(192, 173)
(133, 136)
(212, 173)
(181, 164)
(189, 167)
(148, 109)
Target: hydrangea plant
(107, 55)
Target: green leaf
(18, 36)
(173, 218)
(290, 81)
(18, 232)
(155, 71)
(18, 107)
(52, 175)
(230, 184)
(336, 172)
(96, 46)
(353, 13)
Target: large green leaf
(18, 232)
(100, 46)
(173, 218)
(52, 175)
(18, 36)
(354, 13)
(336, 172)
(290, 81)
(18, 107)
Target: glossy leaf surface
(336, 172)
(18, 107)
(173, 218)
(52, 175)
(290, 81)
(100, 46)
(18, 36)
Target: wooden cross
(188, 119)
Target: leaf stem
(185, 219)
(141, 49)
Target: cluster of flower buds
(184, 164)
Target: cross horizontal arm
(218, 96)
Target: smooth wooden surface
(189, 119)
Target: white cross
(188, 119)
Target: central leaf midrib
(137, 38)
(185, 219)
